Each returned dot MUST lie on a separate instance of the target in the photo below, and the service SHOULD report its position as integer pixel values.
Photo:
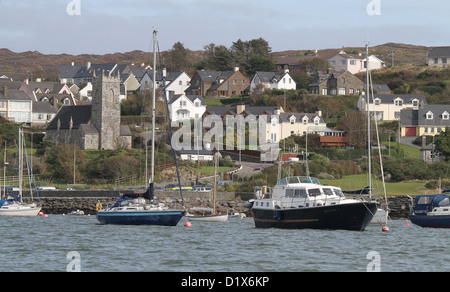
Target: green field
(354, 182)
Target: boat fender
(99, 207)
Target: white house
(273, 80)
(354, 63)
(176, 82)
(387, 107)
(183, 107)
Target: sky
(110, 26)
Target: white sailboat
(213, 217)
(13, 205)
(381, 215)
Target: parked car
(201, 189)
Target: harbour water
(59, 243)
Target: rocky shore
(63, 202)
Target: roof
(389, 98)
(13, 94)
(80, 114)
(415, 118)
(65, 71)
(285, 117)
(250, 110)
(43, 107)
(192, 98)
(439, 52)
(270, 77)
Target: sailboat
(381, 215)
(137, 209)
(213, 217)
(12, 205)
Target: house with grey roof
(218, 83)
(336, 83)
(43, 113)
(272, 80)
(66, 73)
(429, 120)
(387, 107)
(15, 105)
(439, 57)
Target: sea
(59, 243)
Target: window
(398, 102)
(445, 116)
(180, 82)
(292, 133)
(377, 101)
(444, 60)
(292, 121)
(341, 91)
(430, 116)
(436, 60)
(415, 103)
(197, 104)
(353, 62)
(343, 62)
(316, 121)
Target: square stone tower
(106, 109)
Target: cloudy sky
(109, 26)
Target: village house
(273, 80)
(336, 83)
(439, 57)
(15, 105)
(186, 107)
(218, 83)
(176, 82)
(429, 120)
(94, 126)
(354, 63)
(387, 107)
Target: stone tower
(106, 109)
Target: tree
(442, 143)
(61, 162)
(178, 57)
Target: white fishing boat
(12, 205)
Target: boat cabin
(301, 191)
(432, 205)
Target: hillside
(12, 62)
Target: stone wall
(63, 202)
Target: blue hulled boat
(137, 209)
(431, 211)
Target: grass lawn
(353, 182)
(210, 169)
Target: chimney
(164, 72)
(240, 108)
(72, 64)
(277, 111)
(5, 90)
(424, 141)
(236, 69)
(88, 65)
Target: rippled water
(42, 244)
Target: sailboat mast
(20, 163)
(215, 181)
(368, 121)
(155, 39)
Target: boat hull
(20, 211)
(210, 218)
(352, 216)
(162, 218)
(437, 221)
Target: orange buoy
(385, 229)
(45, 215)
(40, 213)
(188, 224)
(407, 223)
